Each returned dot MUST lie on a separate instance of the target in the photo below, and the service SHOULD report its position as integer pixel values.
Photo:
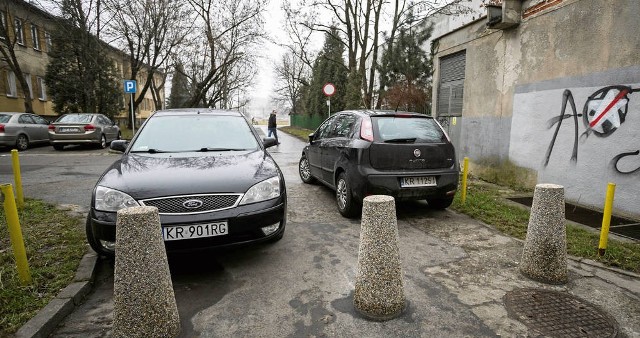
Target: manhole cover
(558, 314)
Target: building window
(42, 89)
(47, 40)
(3, 23)
(451, 85)
(12, 90)
(19, 31)
(27, 78)
(35, 36)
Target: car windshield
(408, 129)
(4, 118)
(76, 118)
(194, 133)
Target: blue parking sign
(129, 86)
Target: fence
(307, 121)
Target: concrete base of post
(144, 302)
(544, 257)
(379, 290)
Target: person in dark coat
(272, 126)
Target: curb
(48, 318)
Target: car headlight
(108, 199)
(265, 190)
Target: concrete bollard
(144, 302)
(544, 257)
(379, 291)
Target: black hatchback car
(207, 172)
(369, 152)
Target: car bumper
(372, 182)
(245, 225)
(7, 140)
(90, 137)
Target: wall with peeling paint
(515, 82)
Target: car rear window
(391, 128)
(195, 132)
(4, 118)
(80, 118)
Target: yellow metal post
(606, 219)
(465, 171)
(17, 177)
(15, 233)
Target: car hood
(145, 176)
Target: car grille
(176, 204)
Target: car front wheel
(440, 203)
(22, 142)
(347, 205)
(305, 170)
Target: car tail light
(52, 127)
(89, 127)
(1, 128)
(366, 130)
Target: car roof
(382, 112)
(11, 112)
(196, 111)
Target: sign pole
(329, 89)
(133, 118)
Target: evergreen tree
(329, 67)
(80, 77)
(405, 70)
(179, 88)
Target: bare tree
(150, 31)
(219, 63)
(360, 24)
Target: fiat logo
(417, 153)
(192, 204)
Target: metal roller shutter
(451, 85)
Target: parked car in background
(21, 130)
(368, 152)
(95, 129)
(207, 172)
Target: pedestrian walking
(272, 126)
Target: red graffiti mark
(611, 104)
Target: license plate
(67, 130)
(178, 232)
(418, 181)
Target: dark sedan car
(207, 172)
(366, 152)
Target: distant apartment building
(30, 27)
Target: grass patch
(301, 133)
(54, 243)
(485, 203)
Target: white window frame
(12, 89)
(42, 95)
(35, 36)
(27, 77)
(19, 30)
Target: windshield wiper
(221, 149)
(401, 140)
(151, 151)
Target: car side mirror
(119, 145)
(311, 137)
(269, 142)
